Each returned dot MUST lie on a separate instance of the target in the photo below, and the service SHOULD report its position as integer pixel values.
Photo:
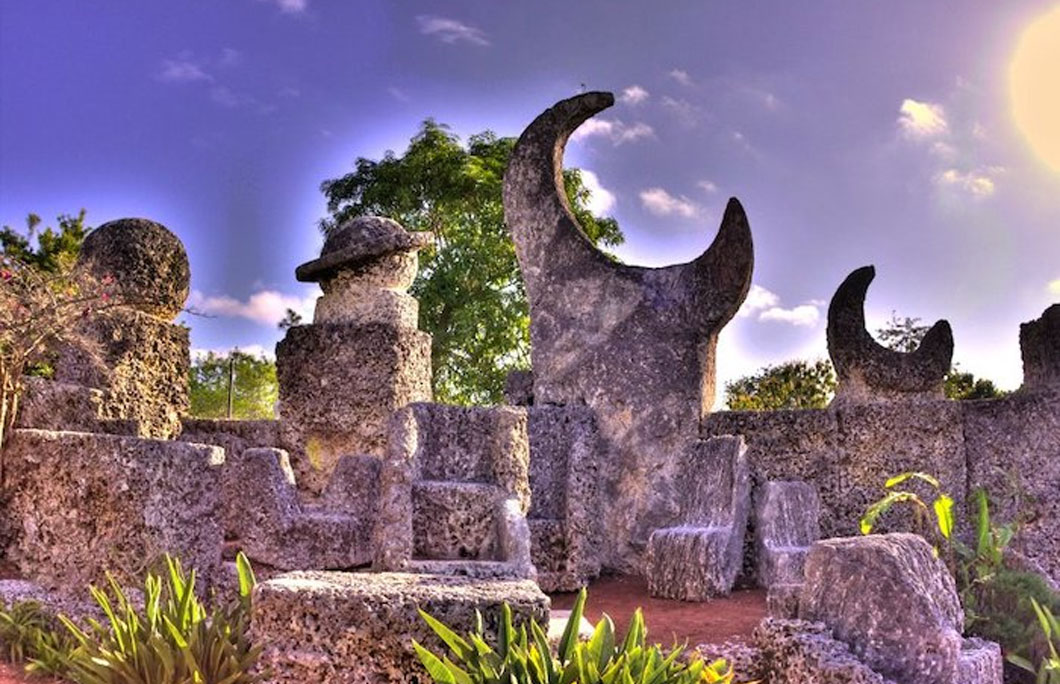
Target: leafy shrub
(1047, 670)
(940, 511)
(525, 657)
(172, 639)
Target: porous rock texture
(83, 504)
(798, 651)
(869, 372)
(454, 491)
(565, 491)
(139, 362)
(891, 600)
(787, 522)
(519, 388)
(848, 452)
(146, 261)
(358, 246)
(276, 528)
(357, 628)
(1040, 347)
(635, 344)
(339, 384)
(700, 554)
(49, 405)
(980, 663)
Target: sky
(908, 134)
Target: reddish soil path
(732, 618)
(13, 674)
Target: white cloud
(230, 57)
(398, 94)
(601, 200)
(224, 96)
(978, 183)
(450, 30)
(634, 95)
(661, 203)
(266, 307)
(707, 186)
(614, 130)
(805, 315)
(291, 6)
(684, 110)
(758, 299)
(681, 76)
(921, 120)
(182, 70)
(1054, 287)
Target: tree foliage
(904, 334)
(254, 388)
(471, 295)
(50, 250)
(791, 385)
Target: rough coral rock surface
(868, 371)
(787, 521)
(891, 600)
(798, 651)
(147, 262)
(634, 344)
(85, 504)
(357, 628)
(1040, 347)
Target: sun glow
(1034, 86)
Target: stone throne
(699, 556)
(454, 492)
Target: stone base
(357, 628)
(81, 505)
(139, 362)
(691, 564)
(339, 384)
(797, 651)
(980, 662)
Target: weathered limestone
(82, 504)
(980, 662)
(786, 524)
(565, 496)
(701, 555)
(362, 358)
(891, 600)
(634, 344)
(519, 388)
(1040, 346)
(132, 352)
(343, 628)
(277, 529)
(868, 371)
(454, 492)
(800, 651)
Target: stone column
(134, 353)
(363, 356)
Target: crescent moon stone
(868, 371)
(635, 344)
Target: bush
(525, 657)
(172, 639)
(1001, 609)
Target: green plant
(173, 639)
(940, 509)
(1048, 670)
(29, 636)
(524, 656)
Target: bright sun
(1034, 86)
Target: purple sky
(853, 132)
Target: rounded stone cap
(146, 260)
(359, 241)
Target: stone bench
(346, 628)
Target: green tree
(254, 387)
(289, 320)
(471, 295)
(904, 334)
(791, 385)
(50, 250)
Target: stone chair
(275, 527)
(786, 525)
(700, 555)
(454, 493)
(564, 508)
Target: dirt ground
(13, 674)
(730, 618)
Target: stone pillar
(134, 353)
(362, 358)
(1040, 347)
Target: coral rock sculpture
(867, 370)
